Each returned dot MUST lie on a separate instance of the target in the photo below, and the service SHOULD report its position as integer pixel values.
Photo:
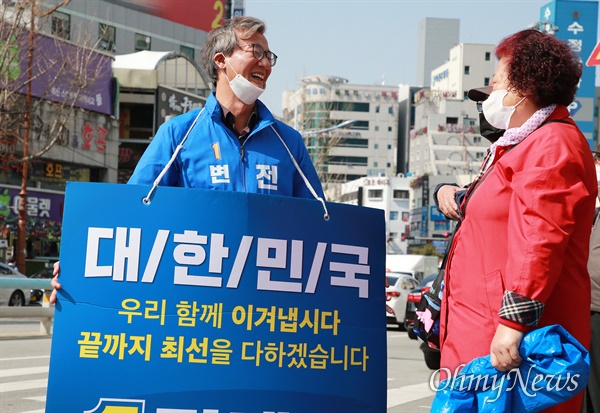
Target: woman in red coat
(518, 260)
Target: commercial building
(389, 193)
(366, 147)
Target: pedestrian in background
(593, 387)
(523, 242)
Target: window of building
(375, 164)
(467, 70)
(401, 194)
(488, 56)
(348, 160)
(388, 165)
(480, 155)
(188, 51)
(391, 110)
(452, 120)
(486, 81)
(393, 215)
(375, 193)
(477, 139)
(376, 128)
(465, 94)
(142, 42)
(389, 128)
(389, 146)
(61, 25)
(376, 146)
(106, 37)
(353, 143)
(377, 109)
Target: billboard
(202, 14)
(61, 72)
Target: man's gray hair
(223, 40)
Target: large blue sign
(217, 302)
(576, 22)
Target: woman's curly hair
(541, 66)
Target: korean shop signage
(211, 301)
(173, 102)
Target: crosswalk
(27, 383)
(23, 385)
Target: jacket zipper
(242, 169)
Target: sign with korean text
(57, 66)
(173, 102)
(576, 22)
(217, 302)
(41, 204)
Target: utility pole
(21, 244)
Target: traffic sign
(594, 59)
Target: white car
(400, 285)
(13, 296)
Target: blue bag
(555, 368)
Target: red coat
(526, 229)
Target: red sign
(594, 59)
(200, 14)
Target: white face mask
(245, 90)
(496, 113)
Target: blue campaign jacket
(213, 158)
(555, 368)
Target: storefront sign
(173, 102)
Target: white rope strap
(146, 200)
(306, 181)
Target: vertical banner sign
(217, 302)
(576, 22)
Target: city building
(436, 37)
(389, 193)
(445, 144)
(446, 139)
(366, 147)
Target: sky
(371, 41)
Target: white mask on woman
(496, 113)
(245, 90)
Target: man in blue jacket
(234, 143)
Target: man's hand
(55, 284)
(447, 202)
(504, 351)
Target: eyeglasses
(480, 107)
(258, 52)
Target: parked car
(13, 296)
(412, 300)
(400, 285)
(37, 296)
